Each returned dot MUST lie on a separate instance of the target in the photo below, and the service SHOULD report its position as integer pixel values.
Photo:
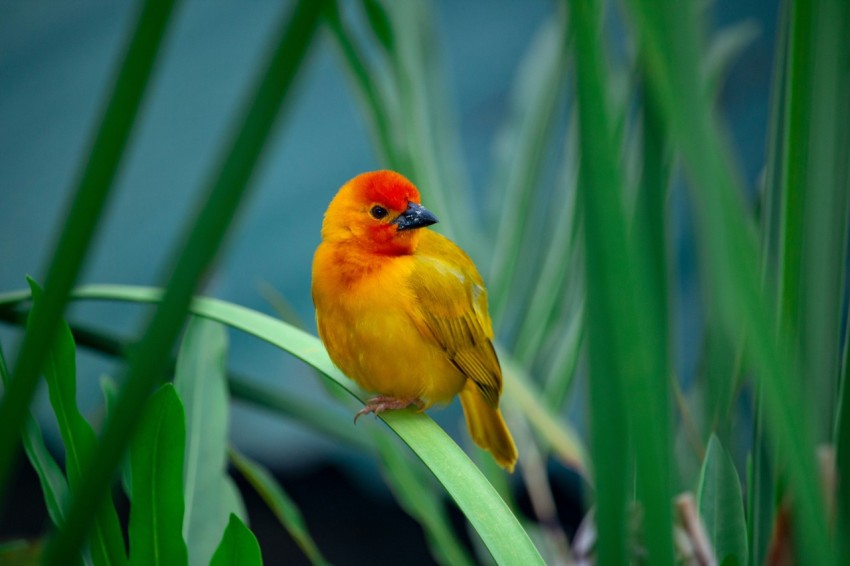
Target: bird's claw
(381, 403)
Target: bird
(402, 310)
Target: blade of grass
(650, 218)
(106, 541)
(220, 203)
(200, 381)
(729, 245)
(156, 456)
(761, 488)
(826, 188)
(624, 340)
(280, 503)
(610, 440)
(90, 197)
(476, 498)
(794, 162)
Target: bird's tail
(487, 427)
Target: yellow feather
(403, 312)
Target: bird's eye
(378, 212)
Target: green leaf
(239, 546)
(54, 487)
(476, 498)
(218, 204)
(721, 505)
(106, 541)
(279, 502)
(201, 382)
(826, 190)
(156, 454)
(627, 362)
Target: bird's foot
(383, 403)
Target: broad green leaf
(238, 547)
(106, 540)
(156, 454)
(279, 502)
(476, 498)
(54, 486)
(721, 505)
(201, 382)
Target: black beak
(416, 216)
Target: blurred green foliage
(579, 271)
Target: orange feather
(403, 311)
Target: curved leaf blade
(156, 457)
(201, 382)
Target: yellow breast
(372, 327)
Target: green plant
(583, 278)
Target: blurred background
(56, 64)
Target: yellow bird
(403, 311)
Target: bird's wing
(452, 311)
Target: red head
(377, 212)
